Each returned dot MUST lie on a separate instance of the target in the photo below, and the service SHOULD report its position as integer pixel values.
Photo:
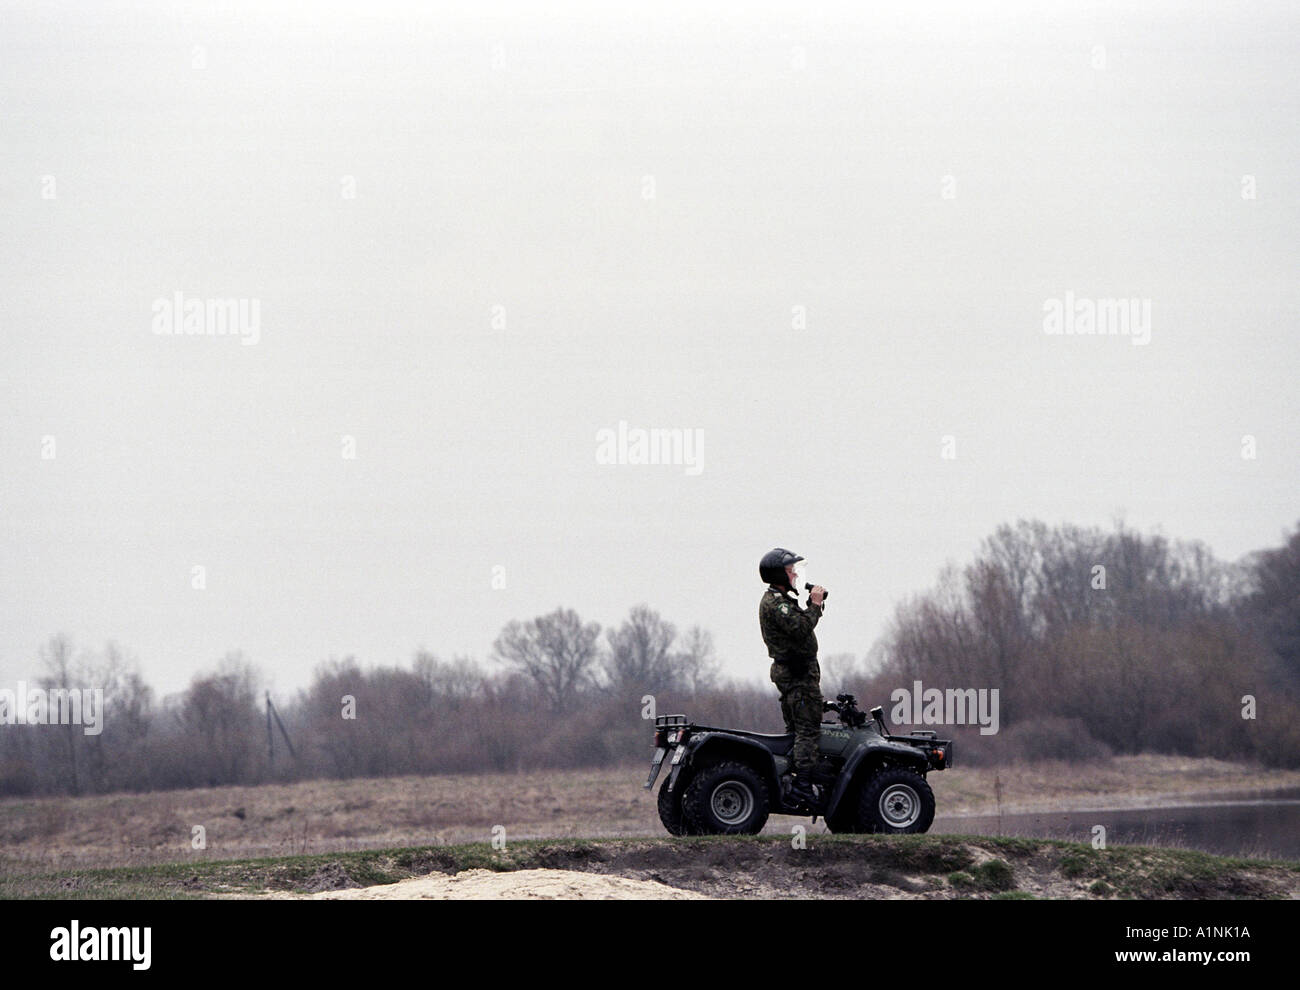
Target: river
(1266, 827)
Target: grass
(1032, 868)
(994, 875)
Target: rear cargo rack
(668, 721)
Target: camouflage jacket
(788, 629)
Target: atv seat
(776, 745)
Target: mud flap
(679, 758)
(655, 763)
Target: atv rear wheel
(896, 802)
(727, 798)
(670, 808)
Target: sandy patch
(528, 885)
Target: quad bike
(728, 781)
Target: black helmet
(772, 567)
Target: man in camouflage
(792, 644)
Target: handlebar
(846, 706)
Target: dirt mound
(489, 885)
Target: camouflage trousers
(801, 707)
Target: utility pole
(270, 736)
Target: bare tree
(696, 662)
(557, 651)
(64, 674)
(640, 657)
(1273, 600)
(219, 717)
(452, 683)
(118, 753)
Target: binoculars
(809, 587)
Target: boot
(806, 792)
(824, 774)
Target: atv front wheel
(896, 802)
(727, 798)
(670, 808)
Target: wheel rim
(900, 806)
(732, 802)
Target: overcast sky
(816, 239)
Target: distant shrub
(1054, 738)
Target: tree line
(1097, 641)
(1116, 642)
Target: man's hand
(817, 594)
